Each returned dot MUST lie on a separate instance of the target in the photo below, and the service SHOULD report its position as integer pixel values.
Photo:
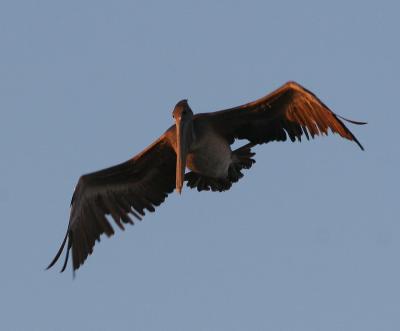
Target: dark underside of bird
(200, 143)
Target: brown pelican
(201, 143)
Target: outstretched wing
(291, 110)
(120, 191)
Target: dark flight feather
(290, 111)
(128, 188)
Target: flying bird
(201, 143)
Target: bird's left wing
(140, 183)
(291, 110)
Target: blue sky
(310, 237)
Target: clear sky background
(310, 237)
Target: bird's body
(201, 143)
(209, 154)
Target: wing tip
(352, 136)
(60, 250)
(351, 121)
(359, 144)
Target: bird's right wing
(140, 183)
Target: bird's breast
(210, 155)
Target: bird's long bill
(181, 153)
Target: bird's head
(182, 111)
(183, 116)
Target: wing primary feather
(111, 211)
(85, 240)
(76, 249)
(349, 132)
(90, 228)
(121, 209)
(286, 113)
(129, 207)
(351, 121)
(59, 251)
(67, 253)
(105, 225)
(112, 207)
(305, 132)
(136, 205)
(100, 224)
